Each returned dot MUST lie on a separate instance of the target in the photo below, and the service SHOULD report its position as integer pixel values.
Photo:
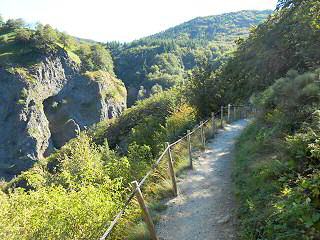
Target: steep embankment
(204, 207)
(42, 106)
(277, 169)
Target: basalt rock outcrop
(45, 105)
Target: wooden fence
(225, 115)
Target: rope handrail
(144, 179)
(118, 216)
(215, 114)
(132, 195)
(178, 141)
(237, 105)
(153, 167)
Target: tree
(23, 35)
(49, 34)
(142, 93)
(202, 89)
(65, 39)
(4, 39)
(15, 23)
(101, 58)
(84, 53)
(95, 57)
(281, 4)
(1, 20)
(156, 89)
(45, 37)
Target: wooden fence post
(204, 137)
(171, 170)
(221, 112)
(203, 141)
(213, 124)
(147, 216)
(189, 149)
(229, 112)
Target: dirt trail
(204, 207)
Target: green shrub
(76, 199)
(277, 164)
(182, 119)
(158, 107)
(294, 96)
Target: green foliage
(165, 57)
(141, 159)
(277, 164)
(1, 20)
(65, 39)
(24, 47)
(45, 38)
(24, 35)
(202, 89)
(181, 120)
(294, 96)
(4, 39)
(116, 166)
(277, 196)
(156, 89)
(159, 106)
(147, 131)
(71, 196)
(24, 73)
(14, 52)
(14, 23)
(287, 40)
(94, 57)
(215, 27)
(282, 4)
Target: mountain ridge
(209, 18)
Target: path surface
(204, 207)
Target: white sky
(121, 20)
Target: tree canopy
(14, 23)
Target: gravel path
(204, 206)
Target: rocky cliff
(45, 105)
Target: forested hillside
(158, 62)
(225, 27)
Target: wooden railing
(233, 112)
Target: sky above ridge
(121, 20)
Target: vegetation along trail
(204, 206)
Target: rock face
(44, 106)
